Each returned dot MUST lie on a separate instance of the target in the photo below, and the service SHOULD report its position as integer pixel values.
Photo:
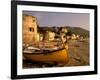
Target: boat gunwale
(49, 52)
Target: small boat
(47, 55)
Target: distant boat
(47, 55)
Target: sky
(61, 19)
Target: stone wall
(29, 29)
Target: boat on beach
(47, 55)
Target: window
(33, 20)
(31, 29)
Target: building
(39, 36)
(73, 37)
(29, 29)
(51, 35)
(64, 30)
(48, 36)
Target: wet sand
(78, 53)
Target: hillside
(75, 30)
(78, 30)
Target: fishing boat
(47, 55)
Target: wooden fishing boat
(47, 55)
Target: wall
(29, 29)
(5, 41)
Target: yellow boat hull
(60, 56)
